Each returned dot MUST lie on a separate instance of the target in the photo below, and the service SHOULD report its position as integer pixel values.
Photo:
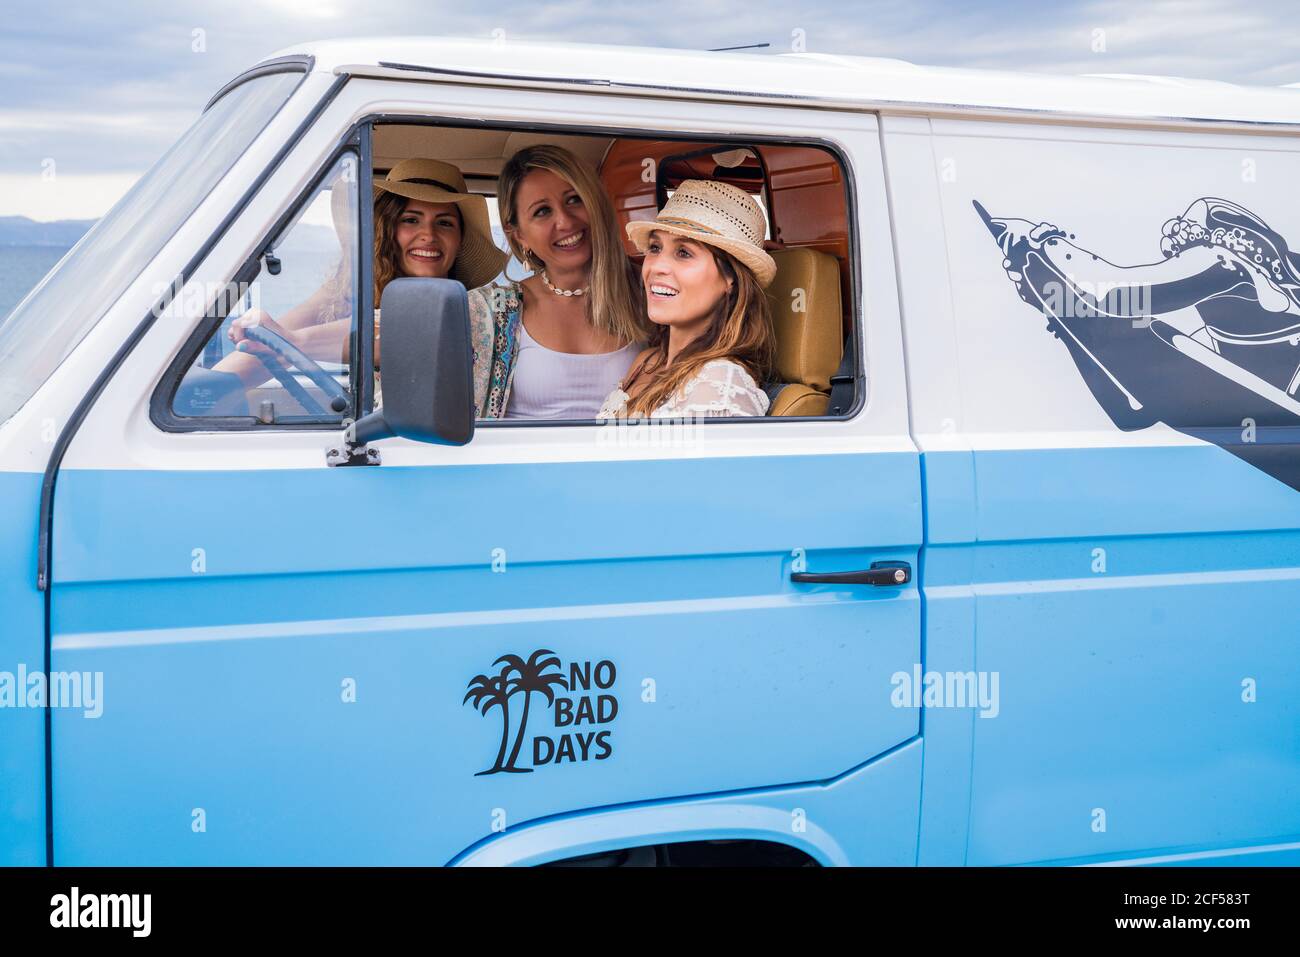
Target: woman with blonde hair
(704, 273)
(552, 345)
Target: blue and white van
(1010, 575)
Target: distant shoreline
(21, 231)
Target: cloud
(105, 89)
(66, 196)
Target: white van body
(1118, 580)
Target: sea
(21, 268)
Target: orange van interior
(802, 189)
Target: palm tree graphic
(530, 676)
(488, 693)
(518, 675)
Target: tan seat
(809, 343)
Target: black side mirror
(428, 365)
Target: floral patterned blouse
(721, 387)
(494, 322)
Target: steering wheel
(295, 357)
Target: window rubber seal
(296, 63)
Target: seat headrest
(809, 343)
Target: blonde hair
(740, 329)
(615, 303)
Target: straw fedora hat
(432, 181)
(716, 213)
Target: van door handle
(880, 573)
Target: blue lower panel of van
(390, 665)
(1140, 608)
(825, 821)
(22, 658)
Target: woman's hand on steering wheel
(258, 334)
(256, 317)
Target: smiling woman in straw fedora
(426, 225)
(704, 273)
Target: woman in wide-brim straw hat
(477, 260)
(426, 224)
(712, 346)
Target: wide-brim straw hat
(432, 181)
(716, 213)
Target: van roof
(813, 79)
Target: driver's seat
(809, 344)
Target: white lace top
(721, 387)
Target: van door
(383, 665)
(1120, 550)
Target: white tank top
(563, 385)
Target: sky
(92, 93)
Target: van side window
(802, 191)
(281, 353)
(520, 364)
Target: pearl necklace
(546, 280)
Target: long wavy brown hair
(615, 303)
(740, 328)
(388, 259)
(388, 255)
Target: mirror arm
(354, 450)
(369, 428)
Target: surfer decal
(1205, 339)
